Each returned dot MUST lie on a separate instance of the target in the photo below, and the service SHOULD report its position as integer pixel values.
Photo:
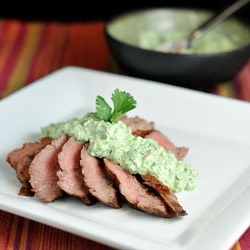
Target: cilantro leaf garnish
(123, 102)
(103, 110)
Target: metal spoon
(214, 21)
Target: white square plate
(216, 130)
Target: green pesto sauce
(115, 142)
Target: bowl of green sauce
(148, 43)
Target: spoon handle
(215, 20)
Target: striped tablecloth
(31, 50)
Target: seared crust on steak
(135, 193)
(165, 192)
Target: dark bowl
(193, 70)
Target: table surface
(30, 50)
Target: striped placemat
(31, 50)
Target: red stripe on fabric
(8, 36)
(10, 62)
(36, 72)
(45, 237)
(87, 46)
(5, 222)
(242, 84)
(5, 26)
(23, 61)
(245, 240)
(49, 52)
(74, 46)
(40, 236)
(98, 43)
(1, 22)
(77, 44)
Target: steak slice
(135, 193)
(24, 176)
(96, 180)
(137, 123)
(20, 159)
(43, 169)
(70, 173)
(143, 128)
(165, 192)
(28, 149)
(162, 140)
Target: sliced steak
(28, 149)
(43, 169)
(135, 193)
(162, 140)
(181, 153)
(20, 159)
(70, 173)
(24, 176)
(96, 180)
(143, 128)
(137, 123)
(165, 192)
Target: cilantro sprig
(122, 101)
